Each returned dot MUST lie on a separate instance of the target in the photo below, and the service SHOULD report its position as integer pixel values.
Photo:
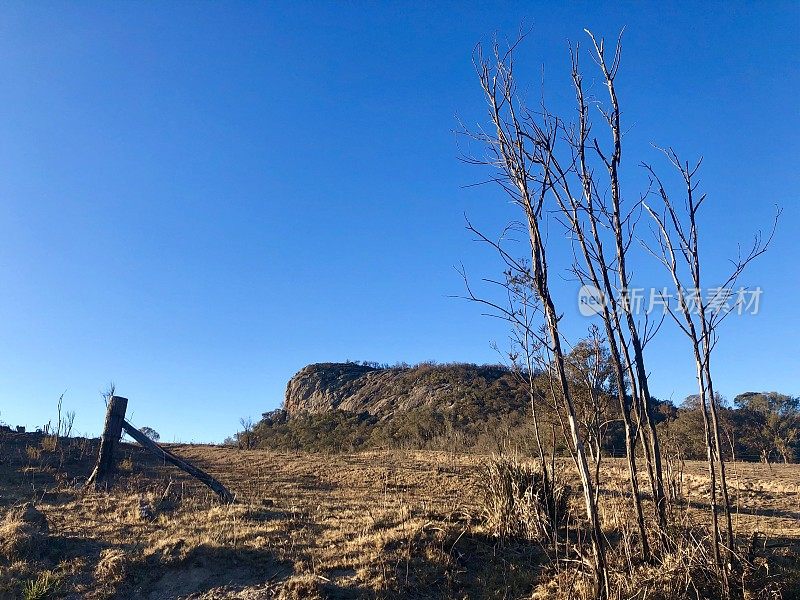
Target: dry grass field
(369, 525)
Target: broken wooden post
(112, 431)
(115, 423)
(168, 456)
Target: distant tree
(593, 382)
(687, 434)
(151, 433)
(273, 417)
(589, 364)
(694, 402)
(774, 422)
(752, 440)
(245, 437)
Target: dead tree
(698, 317)
(587, 213)
(622, 229)
(567, 153)
(525, 171)
(582, 213)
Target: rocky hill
(351, 406)
(383, 391)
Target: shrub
(111, 567)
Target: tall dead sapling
(621, 223)
(601, 231)
(525, 172)
(698, 315)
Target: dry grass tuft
(302, 587)
(516, 501)
(112, 567)
(23, 533)
(33, 453)
(49, 443)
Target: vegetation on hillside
(486, 410)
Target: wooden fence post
(112, 431)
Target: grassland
(383, 524)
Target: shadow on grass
(178, 574)
(468, 565)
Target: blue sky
(197, 199)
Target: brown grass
(373, 525)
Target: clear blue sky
(198, 199)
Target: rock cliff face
(383, 391)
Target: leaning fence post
(169, 457)
(112, 431)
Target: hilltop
(383, 391)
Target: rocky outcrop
(361, 388)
